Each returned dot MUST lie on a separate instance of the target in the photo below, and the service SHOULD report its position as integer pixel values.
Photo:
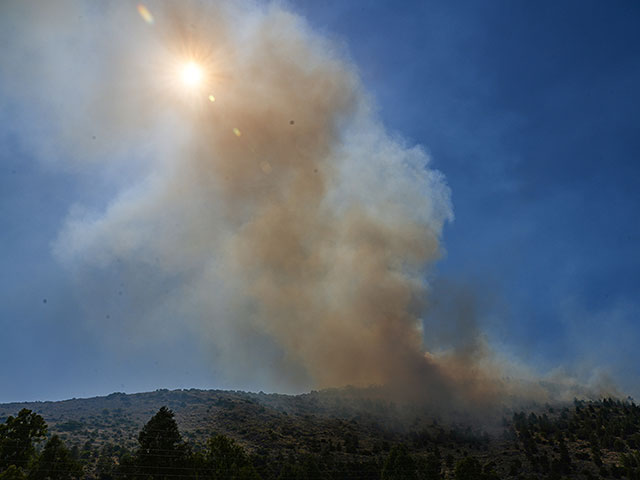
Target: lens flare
(145, 14)
(191, 74)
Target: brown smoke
(281, 221)
(332, 279)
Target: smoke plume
(269, 211)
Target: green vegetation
(323, 435)
(162, 452)
(17, 438)
(55, 462)
(19, 459)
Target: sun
(188, 75)
(191, 74)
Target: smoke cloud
(269, 212)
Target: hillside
(253, 419)
(350, 427)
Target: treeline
(604, 438)
(589, 440)
(19, 459)
(162, 454)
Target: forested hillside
(332, 434)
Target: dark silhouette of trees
(17, 437)
(562, 465)
(399, 465)
(432, 467)
(55, 463)
(470, 468)
(225, 459)
(590, 440)
(12, 473)
(162, 453)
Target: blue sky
(530, 110)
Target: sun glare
(191, 74)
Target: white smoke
(281, 222)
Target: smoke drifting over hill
(268, 210)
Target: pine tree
(55, 463)
(162, 453)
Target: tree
(225, 459)
(564, 463)
(291, 471)
(431, 467)
(468, 468)
(17, 437)
(12, 473)
(55, 463)
(162, 453)
(106, 464)
(126, 469)
(399, 465)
